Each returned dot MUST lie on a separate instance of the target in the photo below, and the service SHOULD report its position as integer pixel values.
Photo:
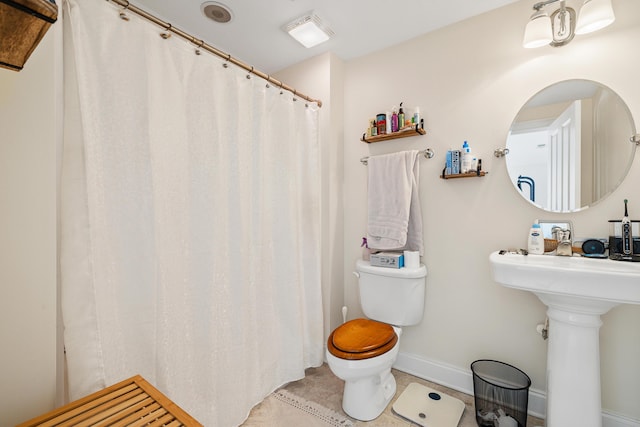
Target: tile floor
(321, 386)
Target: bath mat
(283, 408)
(428, 407)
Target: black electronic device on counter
(594, 248)
(616, 245)
(624, 238)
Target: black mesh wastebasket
(500, 392)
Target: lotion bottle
(467, 158)
(535, 244)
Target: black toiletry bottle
(627, 239)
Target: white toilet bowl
(362, 351)
(369, 384)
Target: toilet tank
(392, 295)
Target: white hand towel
(395, 216)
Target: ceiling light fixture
(217, 12)
(309, 30)
(559, 28)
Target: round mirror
(569, 146)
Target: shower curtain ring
(226, 64)
(199, 46)
(268, 80)
(294, 95)
(281, 91)
(167, 32)
(249, 75)
(123, 15)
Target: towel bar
(428, 154)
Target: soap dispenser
(535, 244)
(400, 117)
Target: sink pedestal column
(577, 291)
(573, 368)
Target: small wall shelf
(464, 175)
(404, 133)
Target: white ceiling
(255, 37)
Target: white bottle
(467, 158)
(535, 244)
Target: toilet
(362, 351)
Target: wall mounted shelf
(404, 133)
(464, 175)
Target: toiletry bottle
(388, 122)
(394, 121)
(400, 117)
(627, 238)
(467, 158)
(535, 244)
(382, 123)
(416, 116)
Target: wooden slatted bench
(133, 402)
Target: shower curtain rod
(200, 44)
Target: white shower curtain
(190, 220)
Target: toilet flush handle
(355, 273)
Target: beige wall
(322, 78)
(28, 153)
(470, 80)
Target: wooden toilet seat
(361, 339)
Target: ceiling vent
(309, 30)
(217, 12)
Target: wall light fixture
(309, 30)
(559, 28)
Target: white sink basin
(595, 284)
(576, 291)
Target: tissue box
(387, 259)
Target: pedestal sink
(577, 291)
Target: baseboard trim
(462, 380)
(610, 419)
